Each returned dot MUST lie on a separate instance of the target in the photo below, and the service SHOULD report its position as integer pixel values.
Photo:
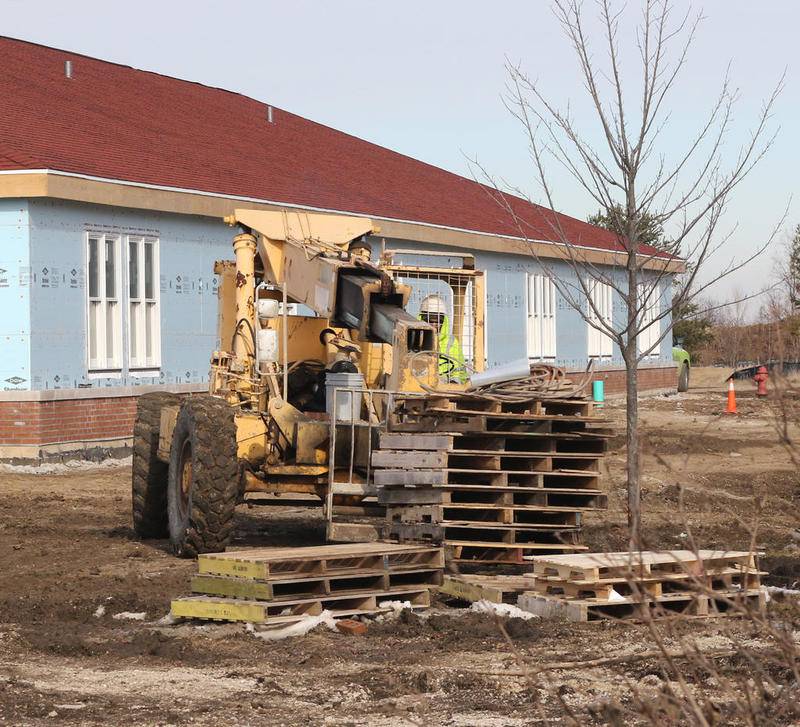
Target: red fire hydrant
(760, 378)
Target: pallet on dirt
(257, 611)
(348, 558)
(592, 567)
(633, 584)
(723, 579)
(262, 585)
(496, 482)
(497, 589)
(680, 604)
(284, 589)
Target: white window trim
(650, 310)
(599, 345)
(540, 317)
(108, 365)
(138, 362)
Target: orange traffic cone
(731, 408)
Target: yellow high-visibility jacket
(450, 346)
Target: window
(541, 331)
(649, 321)
(105, 316)
(599, 312)
(144, 330)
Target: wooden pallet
(550, 497)
(653, 587)
(521, 516)
(592, 567)
(681, 604)
(574, 407)
(263, 563)
(286, 589)
(580, 587)
(498, 482)
(258, 611)
(497, 589)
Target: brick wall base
(650, 379)
(63, 427)
(62, 424)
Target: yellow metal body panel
(303, 335)
(251, 437)
(330, 229)
(226, 297)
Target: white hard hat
(433, 304)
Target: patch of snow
(100, 611)
(57, 468)
(301, 628)
(396, 606)
(501, 609)
(614, 596)
(130, 616)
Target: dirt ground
(70, 564)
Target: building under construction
(114, 183)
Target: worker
(433, 310)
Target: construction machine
(315, 340)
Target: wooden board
(404, 460)
(497, 589)
(392, 440)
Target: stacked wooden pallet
(281, 585)
(494, 588)
(584, 587)
(496, 482)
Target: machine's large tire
(149, 478)
(683, 377)
(203, 485)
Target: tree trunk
(632, 451)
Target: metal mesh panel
(457, 291)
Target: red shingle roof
(116, 122)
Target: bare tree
(635, 185)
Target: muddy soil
(70, 564)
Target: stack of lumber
(585, 587)
(278, 586)
(495, 482)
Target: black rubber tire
(683, 377)
(149, 474)
(204, 451)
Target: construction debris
(502, 481)
(631, 585)
(491, 588)
(279, 586)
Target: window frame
(649, 299)
(146, 318)
(540, 317)
(110, 362)
(597, 339)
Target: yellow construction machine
(315, 341)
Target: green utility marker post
(598, 393)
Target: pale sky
(425, 78)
